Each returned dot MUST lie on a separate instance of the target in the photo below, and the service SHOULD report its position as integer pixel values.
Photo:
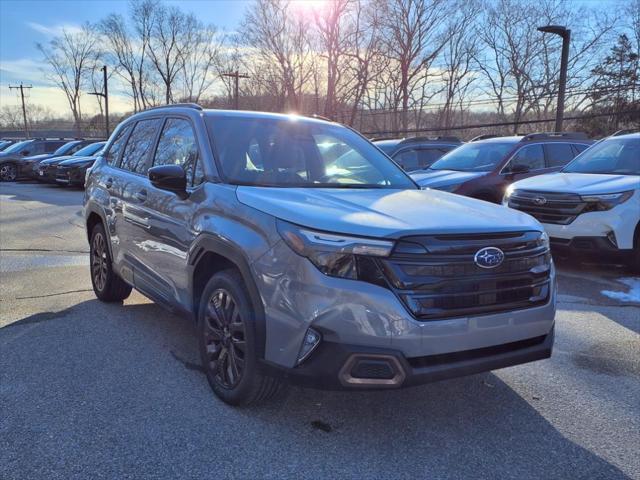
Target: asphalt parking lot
(89, 390)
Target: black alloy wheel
(8, 172)
(225, 335)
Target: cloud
(54, 30)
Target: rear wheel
(107, 285)
(8, 172)
(227, 337)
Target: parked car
(484, 168)
(593, 205)
(73, 172)
(352, 279)
(417, 153)
(47, 169)
(30, 164)
(11, 159)
(6, 143)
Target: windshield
(16, 147)
(89, 149)
(473, 157)
(295, 153)
(64, 148)
(615, 156)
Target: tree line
(380, 65)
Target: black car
(419, 152)
(11, 159)
(6, 143)
(30, 164)
(46, 170)
(73, 172)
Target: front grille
(556, 208)
(436, 276)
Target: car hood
(384, 213)
(37, 158)
(442, 178)
(54, 160)
(580, 183)
(77, 160)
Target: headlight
(543, 240)
(606, 201)
(507, 195)
(333, 254)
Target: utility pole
(104, 94)
(24, 108)
(565, 33)
(237, 76)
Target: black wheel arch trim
(206, 243)
(95, 210)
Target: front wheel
(227, 337)
(107, 285)
(8, 172)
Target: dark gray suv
(300, 266)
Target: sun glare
(308, 7)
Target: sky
(23, 23)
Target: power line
(22, 87)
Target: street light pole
(565, 33)
(236, 96)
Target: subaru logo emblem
(489, 257)
(539, 200)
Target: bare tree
(280, 48)
(413, 39)
(71, 57)
(202, 59)
(168, 44)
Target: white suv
(593, 204)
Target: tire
(635, 258)
(227, 342)
(8, 172)
(107, 285)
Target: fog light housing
(309, 343)
(611, 236)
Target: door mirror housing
(169, 177)
(519, 168)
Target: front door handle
(141, 195)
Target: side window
(427, 156)
(137, 152)
(531, 156)
(75, 148)
(407, 159)
(178, 146)
(116, 147)
(580, 147)
(558, 154)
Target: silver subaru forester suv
(306, 255)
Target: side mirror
(519, 168)
(169, 177)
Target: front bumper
(621, 220)
(296, 296)
(47, 173)
(601, 247)
(351, 367)
(71, 176)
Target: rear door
(170, 233)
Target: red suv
(487, 165)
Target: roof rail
(432, 139)
(380, 139)
(484, 137)
(625, 131)
(195, 106)
(320, 117)
(543, 135)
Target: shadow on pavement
(115, 391)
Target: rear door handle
(141, 195)
(109, 183)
